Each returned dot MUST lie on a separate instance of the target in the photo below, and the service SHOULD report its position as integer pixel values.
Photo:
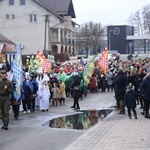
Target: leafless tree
(90, 35)
(141, 20)
(146, 18)
(136, 21)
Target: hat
(60, 80)
(120, 69)
(132, 68)
(61, 68)
(130, 87)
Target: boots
(15, 117)
(122, 111)
(5, 126)
(63, 101)
(147, 115)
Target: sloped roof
(4, 40)
(7, 48)
(61, 7)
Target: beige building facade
(39, 25)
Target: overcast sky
(108, 12)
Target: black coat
(76, 82)
(138, 80)
(131, 79)
(130, 99)
(120, 85)
(145, 88)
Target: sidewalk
(116, 132)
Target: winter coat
(62, 93)
(26, 91)
(76, 82)
(93, 81)
(55, 91)
(145, 88)
(67, 84)
(138, 80)
(131, 79)
(103, 81)
(120, 85)
(62, 76)
(130, 99)
(109, 78)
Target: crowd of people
(129, 80)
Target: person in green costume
(62, 75)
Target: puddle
(83, 120)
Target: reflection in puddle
(83, 120)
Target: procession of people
(42, 90)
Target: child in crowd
(55, 91)
(130, 100)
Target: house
(7, 49)
(43, 25)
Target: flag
(46, 65)
(42, 62)
(18, 73)
(88, 70)
(103, 61)
(32, 65)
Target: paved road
(27, 132)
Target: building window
(32, 17)
(12, 16)
(22, 2)
(11, 2)
(7, 16)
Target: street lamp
(110, 39)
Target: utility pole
(46, 21)
(50, 41)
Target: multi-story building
(39, 25)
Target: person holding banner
(15, 104)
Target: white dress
(44, 95)
(37, 99)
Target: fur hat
(130, 87)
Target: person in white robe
(44, 94)
(39, 79)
